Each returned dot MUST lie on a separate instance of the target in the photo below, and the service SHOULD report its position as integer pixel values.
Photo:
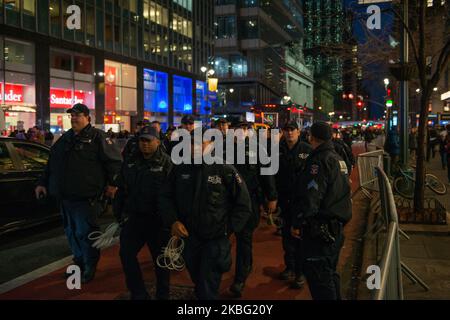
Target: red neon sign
(62, 98)
(13, 93)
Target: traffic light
(360, 104)
(389, 103)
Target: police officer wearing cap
(132, 145)
(136, 207)
(204, 204)
(293, 155)
(321, 209)
(83, 165)
(262, 189)
(343, 150)
(187, 123)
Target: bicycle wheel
(435, 184)
(404, 187)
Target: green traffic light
(389, 103)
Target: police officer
(261, 188)
(205, 204)
(132, 145)
(223, 125)
(293, 155)
(187, 123)
(322, 207)
(136, 201)
(82, 163)
(343, 150)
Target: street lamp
(231, 90)
(208, 73)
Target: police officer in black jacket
(205, 204)
(344, 151)
(82, 163)
(322, 207)
(136, 200)
(132, 146)
(261, 189)
(293, 155)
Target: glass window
(29, 14)
(90, 26)
(68, 34)
(129, 76)
(120, 87)
(83, 64)
(182, 94)
(12, 8)
(43, 12)
(55, 18)
(19, 89)
(6, 163)
(60, 61)
(156, 91)
(109, 32)
(100, 28)
(19, 56)
(33, 157)
(238, 66)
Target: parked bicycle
(405, 182)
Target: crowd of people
(155, 199)
(34, 134)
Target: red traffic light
(360, 104)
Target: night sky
(375, 85)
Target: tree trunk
(419, 192)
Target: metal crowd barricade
(368, 180)
(391, 287)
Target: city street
(43, 256)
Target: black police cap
(321, 130)
(188, 120)
(79, 108)
(291, 125)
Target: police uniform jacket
(323, 190)
(139, 184)
(212, 201)
(80, 166)
(292, 163)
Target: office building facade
(249, 50)
(126, 61)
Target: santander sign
(54, 99)
(13, 93)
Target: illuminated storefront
(156, 96)
(120, 94)
(182, 97)
(17, 85)
(204, 100)
(71, 82)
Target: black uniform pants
(293, 255)
(135, 234)
(244, 245)
(207, 261)
(320, 261)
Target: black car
(21, 164)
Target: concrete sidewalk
(428, 250)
